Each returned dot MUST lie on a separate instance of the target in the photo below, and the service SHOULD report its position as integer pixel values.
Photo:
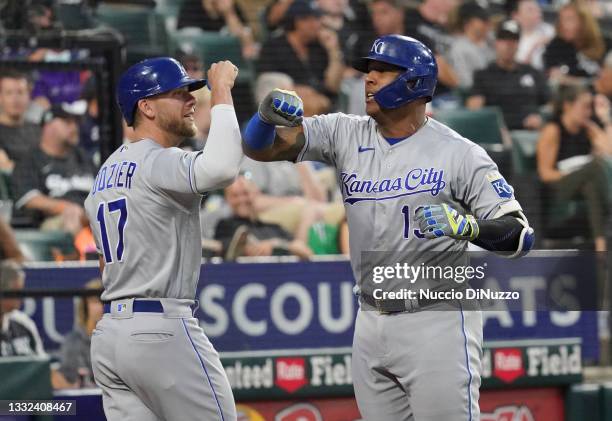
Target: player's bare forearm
(46, 204)
(287, 145)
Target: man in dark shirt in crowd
(308, 53)
(388, 17)
(243, 234)
(17, 137)
(53, 182)
(430, 19)
(18, 333)
(518, 89)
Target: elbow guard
(526, 238)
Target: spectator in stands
(74, 355)
(388, 17)
(535, 33)
(569, 154)
(18, 334)
(17, 137)
(354, 12)
(308, 53)
(518, 89)
(219, 15)
(431, 19)
(52, 183)
(578, 48)
(470, 51)
(429, 23)
(243, 234)
(349, 19)
(89, 126)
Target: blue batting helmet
(420, 75)
(151, 77)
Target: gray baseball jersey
(383, 185)
(403, 363)
(144, 213)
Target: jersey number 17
(119, 205)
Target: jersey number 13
(119, 205)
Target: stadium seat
(524, 151)
(212, 47)
(483, 126)
(144, 30)
(39, 245)
(74, 16)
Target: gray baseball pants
(420, 366)
(158, 366)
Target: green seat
(483, 126)
(323, 238)
(38, 245)
(212, 47)
(524, 151)
(144, 29)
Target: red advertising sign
(291, 373)
(344, 409)
(538, 404)
(508, 364)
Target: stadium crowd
(543, 68)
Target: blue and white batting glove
(282, 108)
(444, 221)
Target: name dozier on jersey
(452, 294)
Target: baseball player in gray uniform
(149, 355)
(411, 186)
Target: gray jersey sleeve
(172, 170)
(482, 188)
(319, 133)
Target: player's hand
(282, 108)
(443, 221)
(222, 75)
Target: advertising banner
(264, 306)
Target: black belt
(139, 306)
(399, 306)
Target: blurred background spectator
(17, 136)
(74, 355)
(470, 50)
(18, 332)
(308, 53)
(578, 47)
(243, 234)
(569, 153)
(51, 185)
(518, 89)
(89, 126)
(535, 33)
(432, 20)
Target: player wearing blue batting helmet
(151, 77)
(419, 70)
